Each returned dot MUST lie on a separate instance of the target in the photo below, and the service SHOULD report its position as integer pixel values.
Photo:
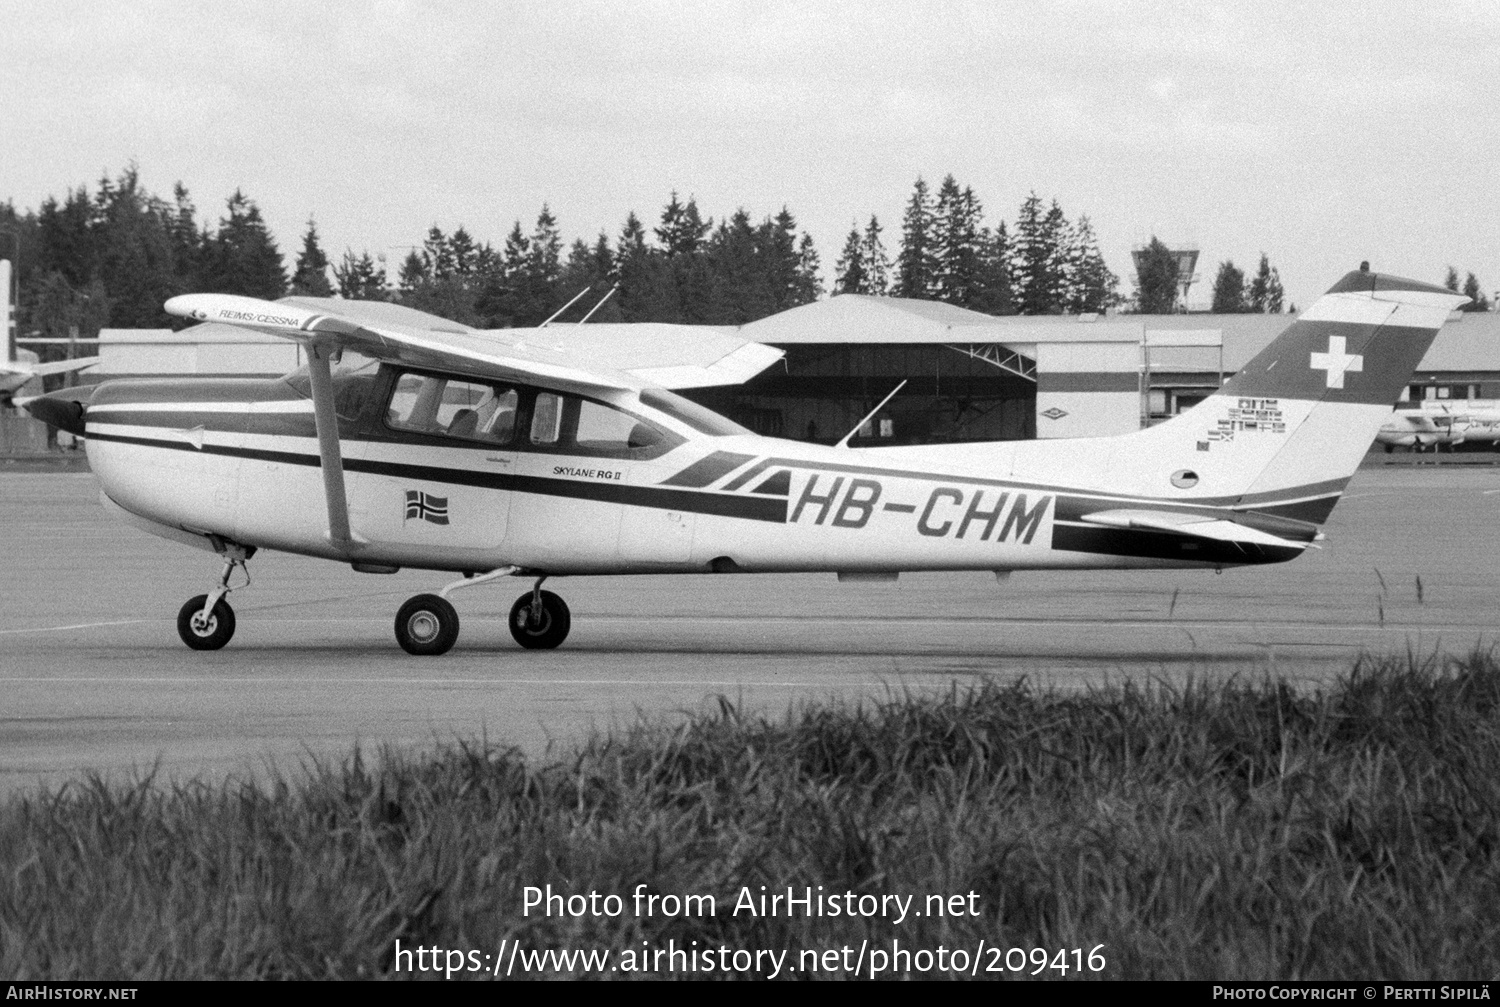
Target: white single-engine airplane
(560, 451)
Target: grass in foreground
(1240, 830)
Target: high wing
(581, 357)
(657, 353)
(1209, 527)
(455, 348)
(572, 361)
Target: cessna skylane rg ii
(563, 450)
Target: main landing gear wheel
(205, 633)
(426, 624)
(540, 620)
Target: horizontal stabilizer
(1193, 525)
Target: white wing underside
(582, 356)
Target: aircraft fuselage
(238, 460)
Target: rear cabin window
(451, 407)
(569, 424)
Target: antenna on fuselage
(870, 415)
(565, 307)
(600, 304)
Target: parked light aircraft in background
(1438, 422)
(15, 373)
(561, 451)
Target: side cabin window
(453, 407)
(469, 409)
(568, 424)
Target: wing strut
(328, 444)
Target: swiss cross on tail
(1336, 361)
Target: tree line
(111, 257)
(1044, 264)
(1234, 294)
(114, 255)
(693, 272)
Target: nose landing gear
(205, 621)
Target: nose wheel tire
(426, 625)
(545, 631)
(205, 634)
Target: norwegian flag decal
(426, 507)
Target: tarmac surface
(94, 679)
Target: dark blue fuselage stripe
(723, 505)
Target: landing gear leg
(205, 621)
(540, 620)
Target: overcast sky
(1322, 134)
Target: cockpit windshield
(353, 381)
(685, 410)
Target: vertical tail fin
(1287, 432)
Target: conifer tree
(130, 235)
(808, 286)
(65, 244)
(359, 278)
(875, 264)
(1472, 290)
(1057, 277)
(243, 255)
(187, 241)
(438, 255)
(463, 252)
(994, 295)
(1264, 293)
(1451, 280)
(1229, 289)
(850, 269)
(958, 252)
(413, 274)
(781, 261)
(682, 228)
(914, 263)
(311, 274)
(1092, 285)
(1274, 293)
(1156, 280)
(584, 269)
(1033, 256)
(647, 290)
